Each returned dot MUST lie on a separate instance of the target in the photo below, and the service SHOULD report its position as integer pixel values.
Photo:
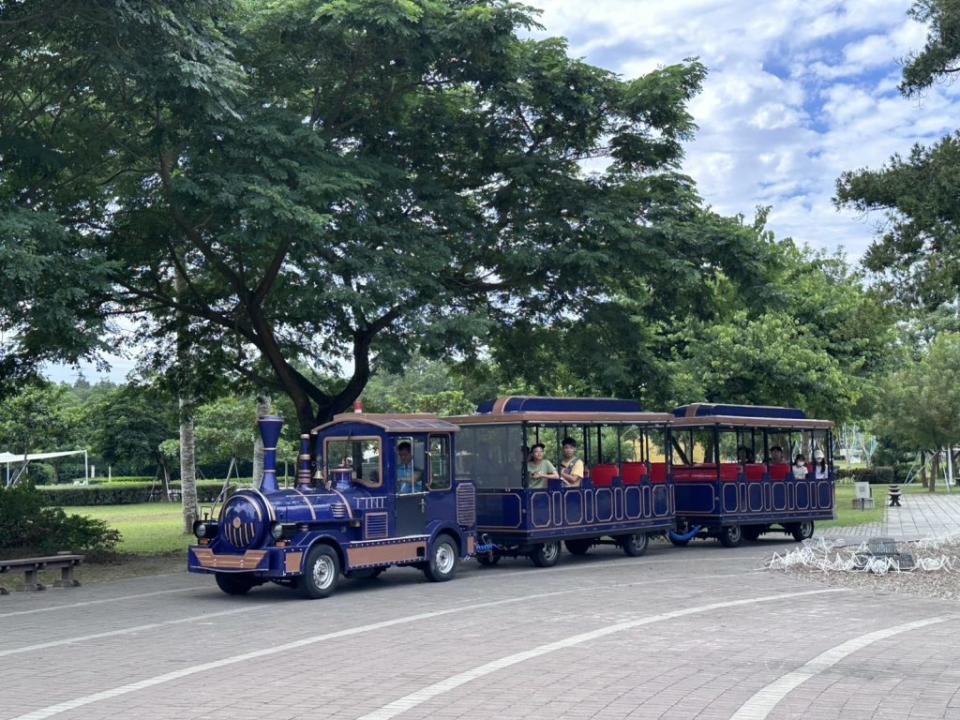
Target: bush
(879, 475)
(121, 493)
(26, 523)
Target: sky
(797, 92)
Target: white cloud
(796, 94)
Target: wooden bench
(30, 567)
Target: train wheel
(321, 572)
(579, 546)
(488, 559)
(753, 532)
(635, 545)
(235, 584)
(802, 530)
(546, 555)
(443, 559)
(731, 536)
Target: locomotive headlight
(277, 531)
(204, 529)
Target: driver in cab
(409, 478)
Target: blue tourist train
(372, 491)
(523, 477)
(619, 493)
(740, 471)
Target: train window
(778, 439)
(656, 442)
(693, 446)
(360, 455)
(633, 444)
(438, 459)
(491, 456)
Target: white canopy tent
(9, 459)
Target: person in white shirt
(799, 468)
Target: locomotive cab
(372, 491)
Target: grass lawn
(847, 515)
(147, 528)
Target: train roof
(415, 423)
(526, 404)
(745, 415)
(512, 409)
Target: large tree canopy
(333, 182)
(918, 250)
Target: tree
(129, 425)
(33, 420)
(782, 326)
(918, 251)
(920, 404)
(333, 181)
(226, 429)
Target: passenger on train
(821, 472)
(776, 455)
(799, 468)
(409, 478)
(744, 455)
(571, 467)
(539, 469)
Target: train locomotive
(355, 510)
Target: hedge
(125, 493)
(879, 475)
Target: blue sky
(798, 91)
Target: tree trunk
(188, 466)
(263, 408)
(934, 471)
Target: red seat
(658, 472)
(603, 475)
(633, 472)
(754, 472)
(695, 473)
(730, 472)
(779, 471)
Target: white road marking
(421, 696)
(98, 602)
(764, 700)
(50, 711)
(129, 630)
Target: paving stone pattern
(921, 515)
(190, 661)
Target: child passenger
(799, 468)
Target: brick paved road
(681, 633)
(922, 515)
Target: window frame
(429, 462)
(351, 439)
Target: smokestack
(303, 462)
(270, 427)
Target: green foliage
(918, 251)
(919, 406)
(128, 425)
(26, 523)
(225, 428)
(33, 420)
(125, 493)
(879, 474)
(333, 182)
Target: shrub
(26, 522)
(121, 493)
(878, 475)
